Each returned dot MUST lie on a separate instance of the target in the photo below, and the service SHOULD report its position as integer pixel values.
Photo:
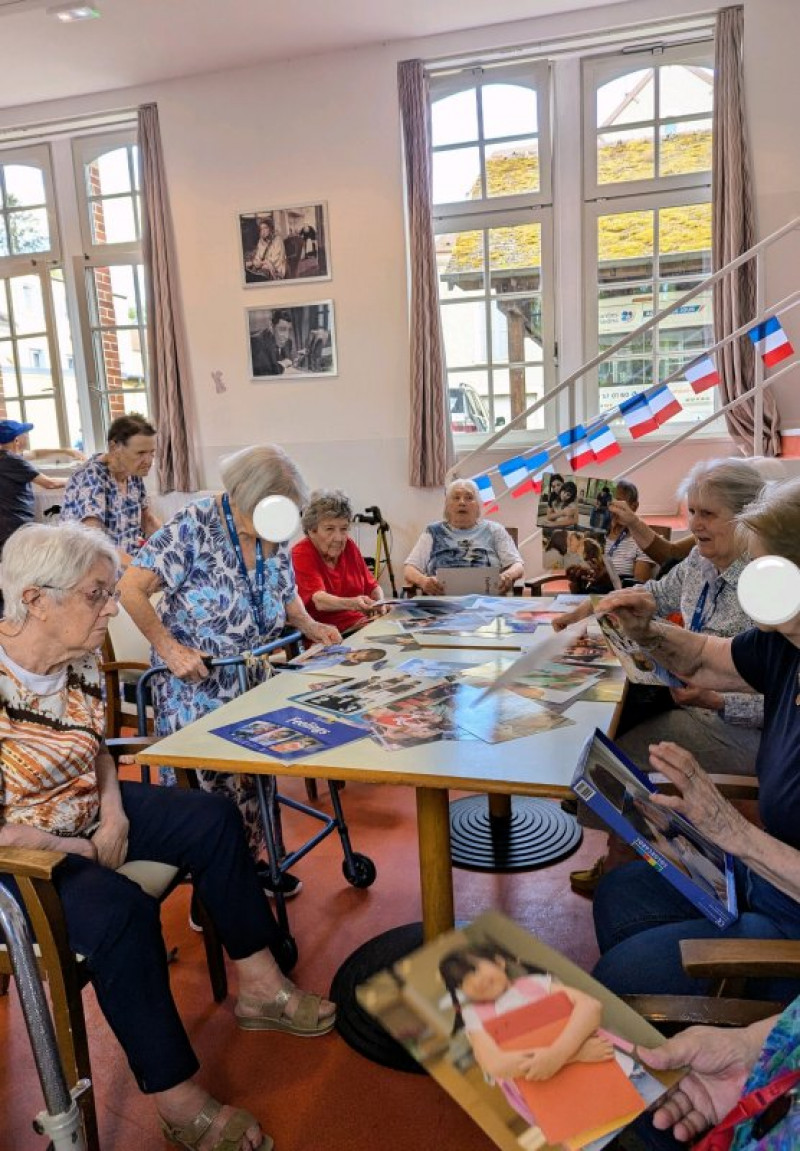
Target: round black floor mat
(537, 834)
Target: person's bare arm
(150, 523)
(18, 835)
(43, 481)
(427, 583)
(298, 617)
(642, 570)
(111, 838)
(659, 549)
(324, 601)
(136, 587)
(582, 611)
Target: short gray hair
(735, 483)
(473, 487)
(324, 504)
(774, 517)
(56, 557)
(252, 474)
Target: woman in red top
(333, 581)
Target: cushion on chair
(152, 877)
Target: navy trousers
(117, 927)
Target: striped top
(625, 555)
(51, 729)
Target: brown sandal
(230, 1137)
(272, 1015)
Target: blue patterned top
(93, 493)
(206, 605)
(780, 1053)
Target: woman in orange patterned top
(59, 791)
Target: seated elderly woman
(462, 539)
(722, 728)
(59, 792)
(224, 592)
(334, 583)
(639, 918)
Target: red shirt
(350, 577)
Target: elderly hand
(110, 841)
(431, 586)
(633, 608)
(322, 633)
(624, 513)
(363, 603)
(699, 800)
(185, 662)
(505, 582)
(698, 697)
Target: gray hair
(473, 487)
(774, 517)
(252, 474)
(56, 557)
(324, 504)
(735, 483)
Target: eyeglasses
(97, 598)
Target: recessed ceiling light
(69, 13)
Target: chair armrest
(731, 786)
(673, 1012)
(753, 958)
(123, 665)
(31, 862)
(536, 585)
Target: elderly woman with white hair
(225, 591)
(59, 792)
(462, 539)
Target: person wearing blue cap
(17, 475)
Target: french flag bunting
(536, 467)
(538, 477)
(637, 415)
(663, 404)
(486, 492)
(702, 375)
(576, 447)
(771, 342)
(515, 472)
(603, 444)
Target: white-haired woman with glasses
(225, 591)
(59, 792)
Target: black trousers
(117, 927)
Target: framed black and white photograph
(280, 245)
(294, 340)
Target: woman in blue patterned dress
(225, 591)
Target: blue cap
(10, 429)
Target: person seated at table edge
(60, 792)
(333, 581)
(462, 539)
(108, 491)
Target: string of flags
(642, 413)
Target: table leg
(501, 833)
(435, 870)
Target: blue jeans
(640, 919)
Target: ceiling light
(70, 13)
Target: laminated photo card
(318, 657)
(477, 1007)
(424, 717)
(639, 665)
(357, 695)
(503, 716)
(289, 733)
(615, 789)
(555, 683)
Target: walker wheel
(360, 871)
(286, 953)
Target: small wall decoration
(280, 245)
(294, 340)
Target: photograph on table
(288, 733)
(503, 716)
(335, 655)
(295, 341)
(279, 245)
(425, 717)
(398, 639)
(359, 695)
(431, 668)
(555, 683)
(473, 1005)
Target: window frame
(84, 150)
(38, 156)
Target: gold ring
(691, 774)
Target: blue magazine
(289, 733)
(614, 788)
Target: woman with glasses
(59, 792)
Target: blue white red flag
(517, 476)
(538, 477)
(663, 404)
(603, 443)
(771, 342)
(637, 415)
(486, 492)
(702, 375)
(576, 447)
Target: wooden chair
(64, 971)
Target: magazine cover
(480, 1007)
(640, 667)
(614, 788)
(289, 733)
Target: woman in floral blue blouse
(225, 591)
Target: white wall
(327, 127)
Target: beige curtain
(733, 232)
(170, 382)
(430, 438)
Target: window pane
(623, 156)
(5, 316)
(115, 299)
(517, 330)
(626, 100)
(470, 405)
(3, 237)
(464, 331)
(29, 231)
(27, 304)
(620, 311)
(13, 410)
(8, 373)
(119, 359)
(685, 240)
(454, 119)
(113, 221)
(34, 364)
(685, 147)
(459, 261)
(456, 175)
(108, 174)
(621, 378)
(516, 389)
(24, 185)
(135, 165)
(515, 258)
(512, 170)
(67, 359)
(625, 246)
(695, 408)
(689, 329)
(42, 414)
(508, 110)
(686, 90)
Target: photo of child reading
(526, 1028)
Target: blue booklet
(289, 733)
(621, 794)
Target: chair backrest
(514, 533)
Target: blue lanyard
(699, 618)
(613, 547)
(258, 594)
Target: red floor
(311, 1094)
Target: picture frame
(293, 341)
(285, 245)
